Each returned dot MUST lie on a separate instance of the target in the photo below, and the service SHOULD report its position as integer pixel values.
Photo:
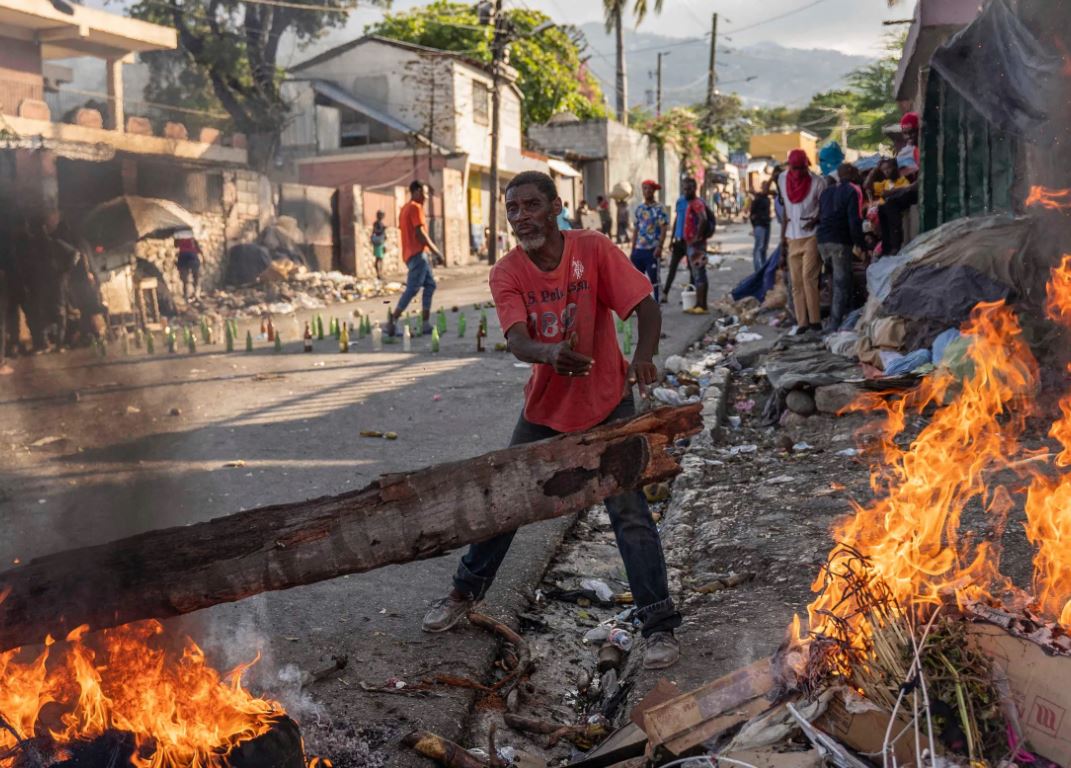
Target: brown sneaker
(662, 650)
(445, 613)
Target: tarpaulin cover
(1003, 71)
(943, 294)
(758, 283)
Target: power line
(736, 30)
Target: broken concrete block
(834, 398)
(801, 402)
(139, 126)
(88, 118)
(209, 135)
(175, 131)
(34, 109)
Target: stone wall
(164, 256)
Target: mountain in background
(783, 76)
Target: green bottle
(416, 325)
(204, 330)
(137, 338)
(434, 339)
(171, 341)
(483, 320)
(278, 341)
(150, 345)
(441, 321)
(628, 339)
(462, 323)
(248, 341)
(103, 349)
(367, 325)
(191, 344)
(228, 337)
(320, 327)
(234, 328)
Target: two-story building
(381, 113)
(98, 155)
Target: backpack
(711, 224)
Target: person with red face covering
(800, 189)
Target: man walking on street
(605, 219)
(840, 226)
(417, 252)
(801, 190)
(556, 295)
(759, 216)
(697, 226)
(652, 223)
(678, 249)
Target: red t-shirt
(593, 281)
(411, 217)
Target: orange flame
(1048, 504)
(180, 711)
(910, 534)
(1053, 199)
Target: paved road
(125, 465)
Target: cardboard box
(1041, 685)
(864, 732)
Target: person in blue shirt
(565, 219)
(652, 224)
(677, 247)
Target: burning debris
(136, 695)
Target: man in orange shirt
(556, 295)
(416, 247)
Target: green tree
(550, 73)
(614, 13)
(232, 48)
(680, 130)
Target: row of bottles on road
(344, 333)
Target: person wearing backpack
(699, 225)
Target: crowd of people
(47, 280)
(833, 223)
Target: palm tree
(614, 11)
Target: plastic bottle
(263, 328)
(307, 337)
(434, 339)
(620, 638)
(407, 339)
(377, 338)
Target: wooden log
(395, 519)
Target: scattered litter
(734, 421)
(673, 397)
(234, 464)
(175, 412)
(48, 440)
(522, 365)
(436, 398)
(802, 446)
(780, 480)
(737, 450)
(848, 452)
(597, 634)
(132, 409)
(745, 338)
(620, 639)
(744, 406)
(599, 587)
(675, 363)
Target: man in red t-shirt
(416, 245)
(556, 295)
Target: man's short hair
(542, 182)
(415, 186)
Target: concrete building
(74, 166)
(379, 113)
(608, 154)
(934, 21)
(778, 145)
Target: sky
(850, 26)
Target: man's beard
(533, 242)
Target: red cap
(651, 183)
(910, 120)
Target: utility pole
(712, 72)
(658, 84)
(498, 50)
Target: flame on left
(180, 711)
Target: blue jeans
(634, 529)
(762, 243)
(644, 260)
(697, 263)
(419, 277)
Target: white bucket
(688, 297)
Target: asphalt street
(95, 449)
